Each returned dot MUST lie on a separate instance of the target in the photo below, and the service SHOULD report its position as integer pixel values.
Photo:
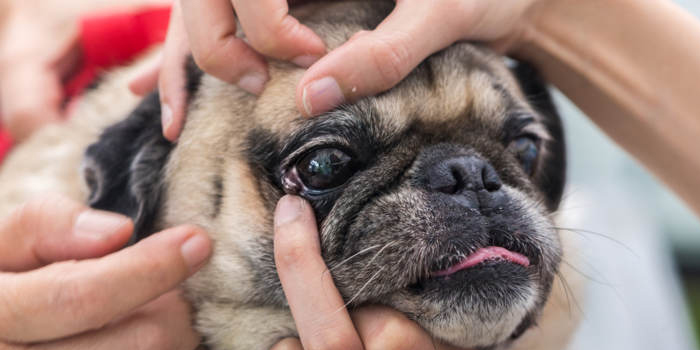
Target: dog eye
(325, 168)
(526, 150)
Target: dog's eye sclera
(527, 151)
(325, 168)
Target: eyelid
(536, 130)
(327, 141)
(524, 123)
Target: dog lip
(484, 254)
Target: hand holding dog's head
(433, 198)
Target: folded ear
(124, 168)
(553, 178)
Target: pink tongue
(484, 254)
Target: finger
(31, 97)
(164, 323)
(172, 80)
(322, 321)
(380, 59)
(69, 298)
(211, 27)
(382, 328)
(147, 80)
(55, 229)
(273, 32)
(288, 344)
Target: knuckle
(28, 217)
(391, 60)
(269, 41)
(209, 56)
(205, 59)
(393, 333)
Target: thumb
(372, 62)
(56, 229)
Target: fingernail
(166, 116)
(305, 60)
(98, 225)
(195, 251)
(288, 210)
(253, 82)
(322, 95)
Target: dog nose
(464, 173)
(470, 180)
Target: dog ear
(124, 168)
(553, 177)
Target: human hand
(396, 46)
(413, 31)
(318, 309)
(60, 288)
(38, 50)
(211, 25)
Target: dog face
(433, 198)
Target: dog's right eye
(325, 168)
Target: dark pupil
(526, 151)
(325, 168)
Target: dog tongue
(482, 255)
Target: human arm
(633, 68)
(63, 286)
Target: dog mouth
(481, 255)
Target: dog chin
(480, 321)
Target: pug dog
(435, 198)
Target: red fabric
(108, 40)
(115, 39)
(5, 143)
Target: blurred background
(639, 246)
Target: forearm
(634, 68)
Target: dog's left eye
(526, 150)
(325, 168)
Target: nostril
(492, 182)
(453, 182)
(462, 174)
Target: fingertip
(296, 239)
(289, 209)
(196, 250)
(253, 82)
(166, 120)
(305, 61)
(320, 96)
(172, 115)
(192, 243)
(101, 226)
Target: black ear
(553, 177)
(124, 168)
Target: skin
(63, 280)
